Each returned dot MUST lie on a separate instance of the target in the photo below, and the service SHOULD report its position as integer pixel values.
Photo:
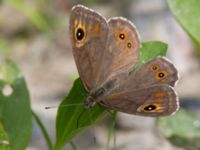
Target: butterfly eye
(150, 107)
(80, 34)
(161, 75)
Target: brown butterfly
(104, 52)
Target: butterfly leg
(109, 111)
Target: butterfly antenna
(67, 105)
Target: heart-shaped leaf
(73, 119)
(15, 112)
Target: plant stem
(44, 131)
(114, 116)
(73, 145)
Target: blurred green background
(34, 34)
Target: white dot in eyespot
(7, 90)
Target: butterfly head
(90, 102)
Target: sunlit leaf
(4, 140)
(188, 14)
(15, 112)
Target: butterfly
(105, 51)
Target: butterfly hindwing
(157, 71)
(156, 100)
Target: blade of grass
(44, 131)
(73, 145)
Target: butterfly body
(98, 94)
(105, 51)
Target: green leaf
(182, 129)
(9, 72)
(15, 112)
(67, 117)
(188, 14)
(4, 140)
(150, 50)
(71, 120)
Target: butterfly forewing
(89, 32)
(122, 50)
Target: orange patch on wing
(89, 28)
(75, 22)
(96, 28)
(157, 100)
(160, 94)
(159, 108)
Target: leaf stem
(44, 131)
